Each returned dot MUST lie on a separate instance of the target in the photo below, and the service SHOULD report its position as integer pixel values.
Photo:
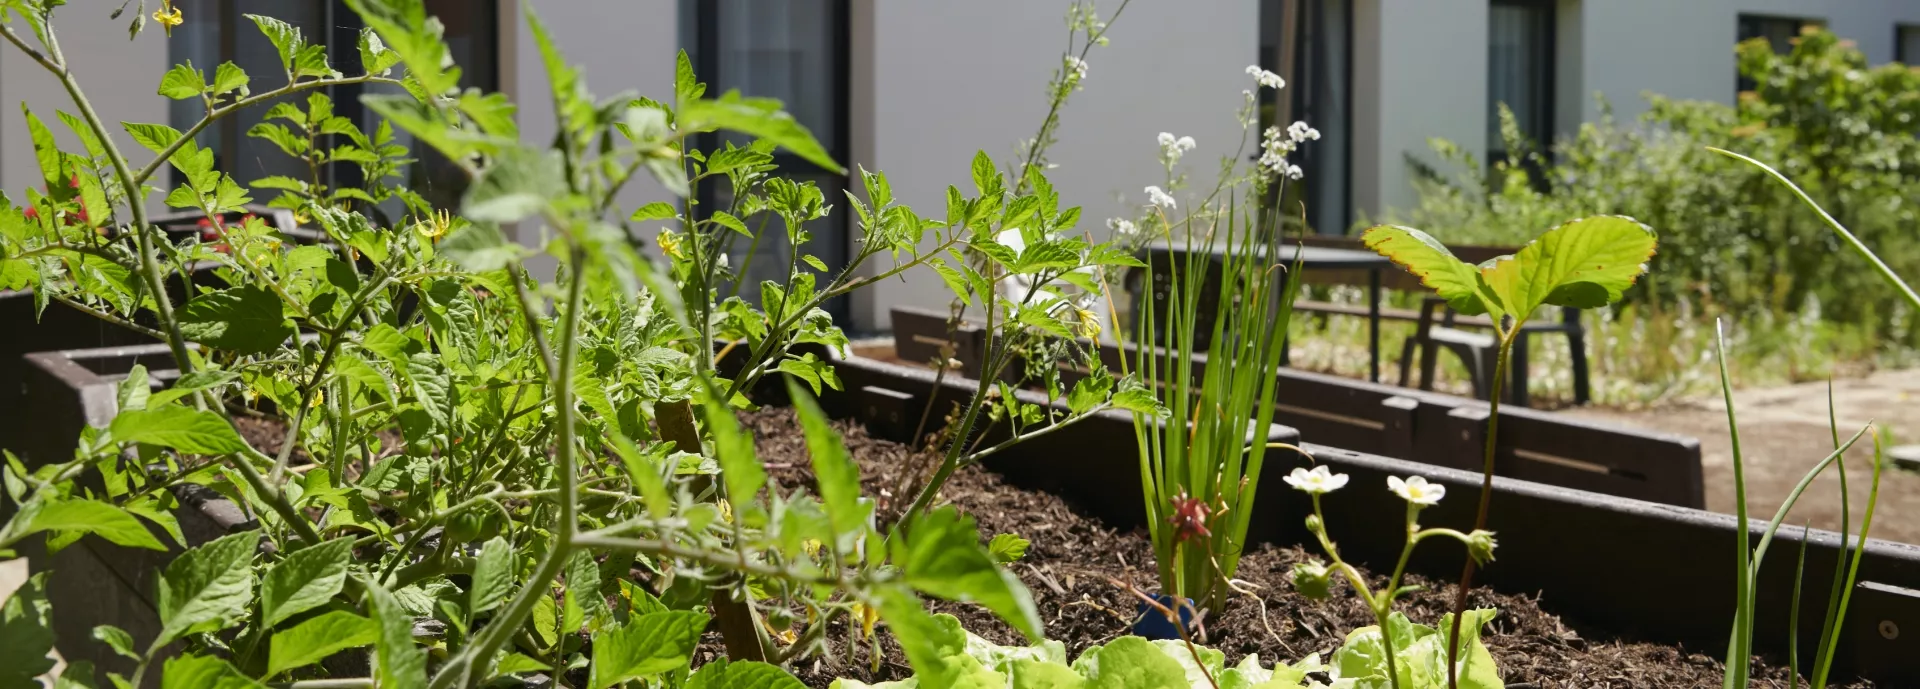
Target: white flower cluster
(1160, 198)
(1266, 78)
(1276, 144)
(1122, 227)
(1172, 148)
(1078, 67)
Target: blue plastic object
(1153, 624)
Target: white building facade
(915, 87)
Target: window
(1780, 33)
(795, 51)
(221, 33)
(1906, 43)
(1519, 72)
(1318, 93)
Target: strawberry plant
(1585, 263)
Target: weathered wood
(1423, 426)
(739, 628)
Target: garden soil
(1074, 559)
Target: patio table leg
(1373, 324)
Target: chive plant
(1210, 350)
(1740, 642)
(1200, 465)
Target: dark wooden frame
(1432, 428)
(1648, 571)
(97, 582)
(1611, 564)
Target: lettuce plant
(1586, 263)
(961, 659)
(953, 657)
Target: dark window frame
(342, 39)
(1311, 59)
(1900, 44)
(700, 36)
(1541, 120)
(1749, 25)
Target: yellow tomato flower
(435, 226)
(669, 244)
(1089, 323)
(868, 616)
(169, 17)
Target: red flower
(1189, 518)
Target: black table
(1311, 258)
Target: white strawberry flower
(1416, 490)
(1266, 78)
(1319, 481)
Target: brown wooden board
(97, 582)
(1444, 430)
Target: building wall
(626, 46)
(934, 80)
(1420, 71)
(120, 78)
(1685, 49)
(1420, 68)
(949, 78)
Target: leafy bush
(1843, 128)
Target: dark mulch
(1073, 557)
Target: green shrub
(1841, 127)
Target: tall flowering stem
(1312, 579)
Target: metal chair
(1479, 351)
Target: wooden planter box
(96, 582)
(1429, 427)
(60, 328)
(1656, 572)
(1650, 571)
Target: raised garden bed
(60, 327)
(1613, 565)
(1642, 591)
(98, 582)
(1427, 427)
(1075, 554)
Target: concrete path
(1784, 432)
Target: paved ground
(1784, 432)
